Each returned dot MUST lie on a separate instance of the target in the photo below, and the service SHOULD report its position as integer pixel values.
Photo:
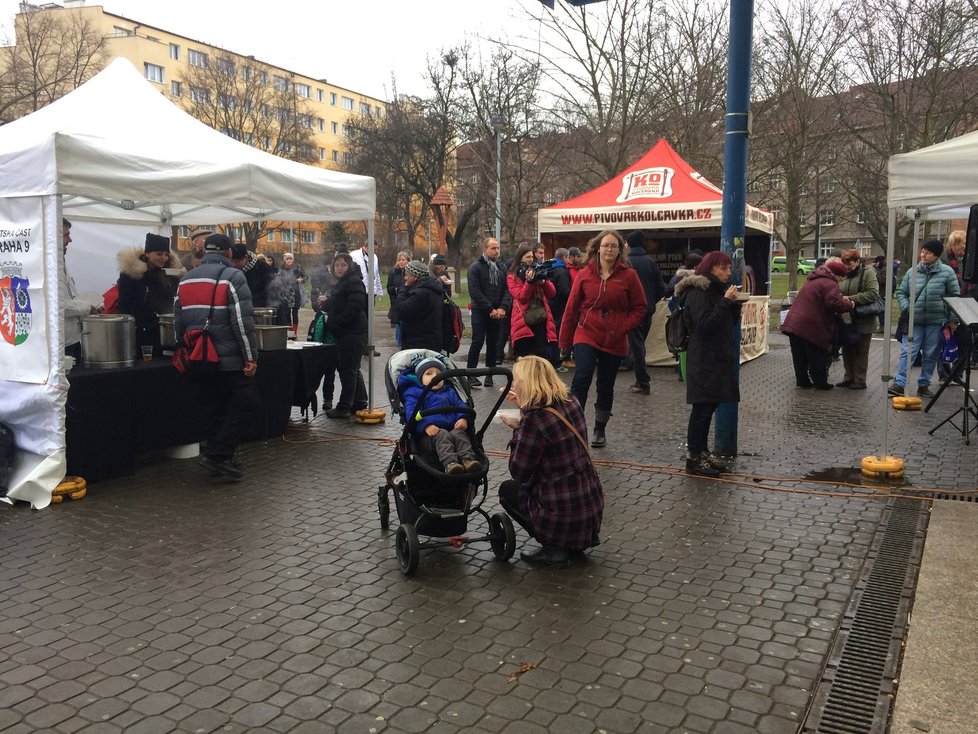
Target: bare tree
(55, 51)
(916, 66)
(254, 104)
(798, 70)
(599, 61)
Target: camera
(542, 269)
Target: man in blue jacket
(217, 293)
(935, 280)
(651, 277)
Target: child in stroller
(444, 434)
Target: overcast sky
(351, 43)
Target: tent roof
(117, 149)
(660, 190)
(940, 179)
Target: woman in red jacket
(606, 302)
(530, 296)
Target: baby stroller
(429, 501)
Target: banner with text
(23, 281)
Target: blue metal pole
(735, 149)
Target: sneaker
(895, 389)
(548, 555)
(472, 465)
(474, 382)
(699, 465)
(562, 370)
(923, 391)
(455, 468)
(221, 466)
(641, 389)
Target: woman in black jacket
(419, 307)
(711, 312)
(395, 282)
(346, 309)
(145, 288)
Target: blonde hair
(957, 237)
(539, 384)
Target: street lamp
(498, 123)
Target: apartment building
(180, 67)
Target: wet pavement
(171, 601)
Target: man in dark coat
(651, 277)
(257, 272)
(419, 309)
(229, 394)
(490, 300)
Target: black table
(113, 415)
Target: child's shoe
(455, 468)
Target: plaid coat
(559, 489)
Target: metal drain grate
(855, 692)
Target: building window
(237, 233)
(319, 95)
(347, 158)
(176, 89)
(305, 121)
(263, 77)
(347, 133)
(153, 72)
(776, 182)
(829, 187)
(280, 83)
(379, 111)
(336, 156)
(348, 104)
(227, 101)
(200, 95)
(271, 235)
(196, 58)
(322, 125)
(119, 31)
(752, 186)
(332, 98)
(334, 128)
(860, 217)
(303, 90)
(286, 236)
(266, 111)
(266, 142)
(306, 151)
(826, 218)
(325, 239)
(365, 109)
(174, 52)
(322, 154)
(226, 67)
(308, 236)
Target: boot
(699, 464)
(598, 440)
(547, 555)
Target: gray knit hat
(418, 269)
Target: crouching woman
(555, 493)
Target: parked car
(780, 265)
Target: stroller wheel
(384, 508)
(502, 536)
(408, 549)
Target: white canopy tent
(117, 151)
(936, 183)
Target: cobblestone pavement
(170, 601)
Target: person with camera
(531, 321)
(606, 302)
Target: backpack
(451, 325)
(677, 333)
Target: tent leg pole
(887, 333)
(370, 314)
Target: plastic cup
(147, 353)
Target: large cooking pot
(264, 316)
(108, 340)
(168, 337)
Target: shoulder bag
(196, 355)
(573, 430)
(535, 313)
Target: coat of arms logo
(15, 304)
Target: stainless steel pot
(108, 340)
(272, 338)
(168, 337)
(264, 317)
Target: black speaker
(969, 272)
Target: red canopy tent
(660, 191)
